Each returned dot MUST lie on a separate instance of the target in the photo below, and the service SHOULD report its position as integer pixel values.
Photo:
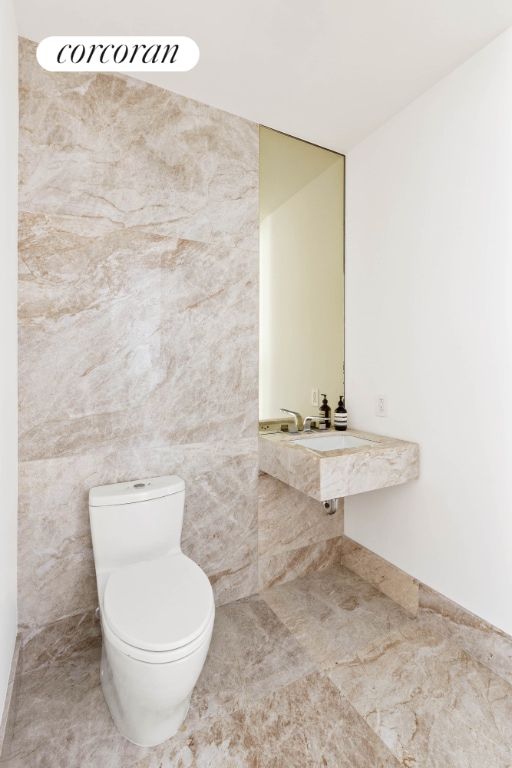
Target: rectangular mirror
(301, 275)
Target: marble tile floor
(321, 671)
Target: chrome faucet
(310, 419)
(298, 420)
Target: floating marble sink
(331, 465)
(333, 442)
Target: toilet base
(146, 732)
(148, 702)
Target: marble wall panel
(209, 344)
(56, 567)
(138, 323)
(89, 338)
(220, 529)
(174, 357)
(288, 519)
(109, 252)
(396, 584)
(110, 151)
(60, 640)
(295, 563)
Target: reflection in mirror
(301, 274)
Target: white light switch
(314, 397)
(381, 405)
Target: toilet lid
(158, 605)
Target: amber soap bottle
(340, 416)
(325, 411)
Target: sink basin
(333, 442)
(334, 464)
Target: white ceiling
(329, 71)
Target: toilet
(156, 606)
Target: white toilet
(156, 606)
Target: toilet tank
(135, 521)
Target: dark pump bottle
(325, 411)
(340, 416)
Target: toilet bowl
(156, 606)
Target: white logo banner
(117, 54)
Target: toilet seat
(156, 657)
(158, 610)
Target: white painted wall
(8, 348)
(428, 322)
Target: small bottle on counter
(340, 416)
(325, 411)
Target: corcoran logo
(117, 54)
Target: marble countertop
(342, 472)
